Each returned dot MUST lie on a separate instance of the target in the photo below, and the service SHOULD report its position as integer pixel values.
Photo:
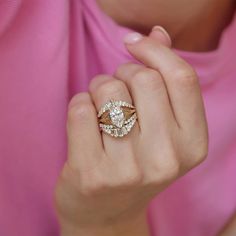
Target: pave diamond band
(117, 118)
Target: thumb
(160, 34)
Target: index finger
(180, 78)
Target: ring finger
(104, 88)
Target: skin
(192, 25)
(230, 228)
(106, 183)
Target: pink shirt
(50, 50)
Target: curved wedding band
(117, 118)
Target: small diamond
(124, 130)
(119, 133)
(115, 133)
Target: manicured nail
(162, 30)
(133, 38)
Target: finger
(85, 146)
(103, 88)
(160, 34)
(150, 97)
(181, 80)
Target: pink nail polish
(133, 38)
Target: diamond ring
(117, 118)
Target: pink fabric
(49, 50)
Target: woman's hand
(107, 182)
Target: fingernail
(133, 38)
(163, 31)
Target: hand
(109, 181)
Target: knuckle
(90, 189)
(91, 186)
(164, 173)
(170, 169)
(197, 149)
(148, 79)
(200, 154)
(186, 76)
(111, 87)
(78, 98)
(81, 111)
(134, 178)
(96, 80)
(130, 176)
(67, 173)
(166, 168)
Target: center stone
(117, 116)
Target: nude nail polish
(133, 38)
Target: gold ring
(117, 118)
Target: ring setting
(117, 118)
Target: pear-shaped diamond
(117, 116)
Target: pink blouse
(50, 50)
